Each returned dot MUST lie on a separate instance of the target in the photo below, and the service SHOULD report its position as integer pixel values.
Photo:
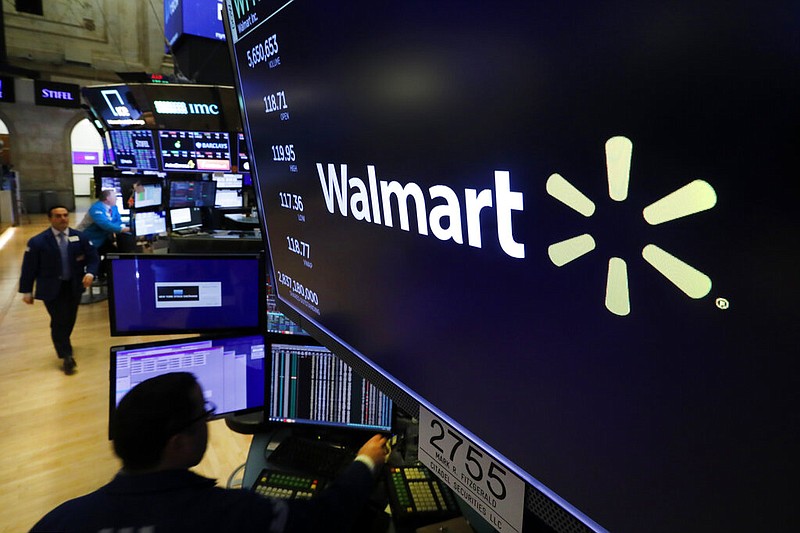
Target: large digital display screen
(189, 107)
(175, 293)
(562, 228)
(243, 158)
(134, 149)
(202, 18)
(195, 151)
(115, 105)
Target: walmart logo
(692, 198)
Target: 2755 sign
(475, 476)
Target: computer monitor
(195, 151)
(106, 183)
(147, 195)
(243, 161)
(310, 386)
(149, 223)
(153, 294)
(185, 218)
(192, 193)
(562, 232)
(134, 149)
(228, 181)
(230, 369)
(228, 198)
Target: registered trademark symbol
(722, 303)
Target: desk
(241, 218)
(220, 242)
(257, 459)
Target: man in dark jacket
(159, 431)
(62, 263)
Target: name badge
(74, 238)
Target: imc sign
(56, 94)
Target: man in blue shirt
(159, 431)
(62, 263)
(103, 221)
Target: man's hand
(125, 229)
(375, 449)
(27, 298)
(88, 278)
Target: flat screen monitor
(121, 207)
(134, 149)
(228, 181)
(550, 238)
(190, 107)
(185, 218)
(243, 154)
(114, 184)
(192, 193)
(231, 370)
(228, 198)
(309, 385)
(147, 195)
(195, 151)
(179, 293)
(149, 223)
(115, 106)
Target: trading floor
(53, 427)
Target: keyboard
(311, 456)
(187, 231)
(417, 497)
(275, 484)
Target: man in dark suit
(63, 263)
(159, 431)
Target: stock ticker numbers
(264, 51)
(305, 296)
(275, 102)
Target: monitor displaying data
(559, 232)
(192, 193)
(230, 369)
(185, 218)
(228, 198)
(134, 149)
(177, 293)
(243, 154)
(195, 151)
(149, 223)
(147, 195)
(228, 181)
(114, 183)
(309, 385)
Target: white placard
(484, 483)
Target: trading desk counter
(377, 517)
(219, 241)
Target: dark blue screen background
(681, 416)
(134, 302)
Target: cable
(230, 483)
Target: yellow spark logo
(692, 198)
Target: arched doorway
(4, 144)
(87, 151)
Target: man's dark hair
(105, 194)
(57, 206)
(146, 417)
